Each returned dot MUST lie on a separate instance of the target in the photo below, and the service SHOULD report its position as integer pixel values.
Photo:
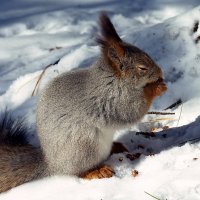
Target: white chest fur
(105, 143)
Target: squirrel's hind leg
(103, 171)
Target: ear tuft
(111, 44)
(108, 32)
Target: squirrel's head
(125, 60)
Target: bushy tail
(20, 162)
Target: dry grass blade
(152, 196)
(160, 119)
(180, 115)
(39, 79)
(27, 83)
(41, 75)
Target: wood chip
(120, 159)
(165, 127)
(133, 156)
(134, 173)
(140, 146)
(146, 134)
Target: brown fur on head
(110, 43)
(126, 61)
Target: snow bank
(63, 33)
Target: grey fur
(79, 108)
(20, 164)
(79, 111)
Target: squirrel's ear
(110, 42)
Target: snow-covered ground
(36, 33)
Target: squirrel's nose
(160, 73)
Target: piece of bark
(118, 148)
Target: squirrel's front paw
(161, 88)
(101, 172)
(154, 89)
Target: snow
(34, 34)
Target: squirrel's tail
(20, 162)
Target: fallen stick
(160, 113)
(177, 103)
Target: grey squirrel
(78, 113)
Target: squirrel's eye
(142, 68)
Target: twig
(177, 103)
(161, 119)
(41, 75)
(27, 83)
(180, 115)
(160, 113)
(152, 196)
(39, 79)
(192, 141)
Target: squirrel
(78, 113)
